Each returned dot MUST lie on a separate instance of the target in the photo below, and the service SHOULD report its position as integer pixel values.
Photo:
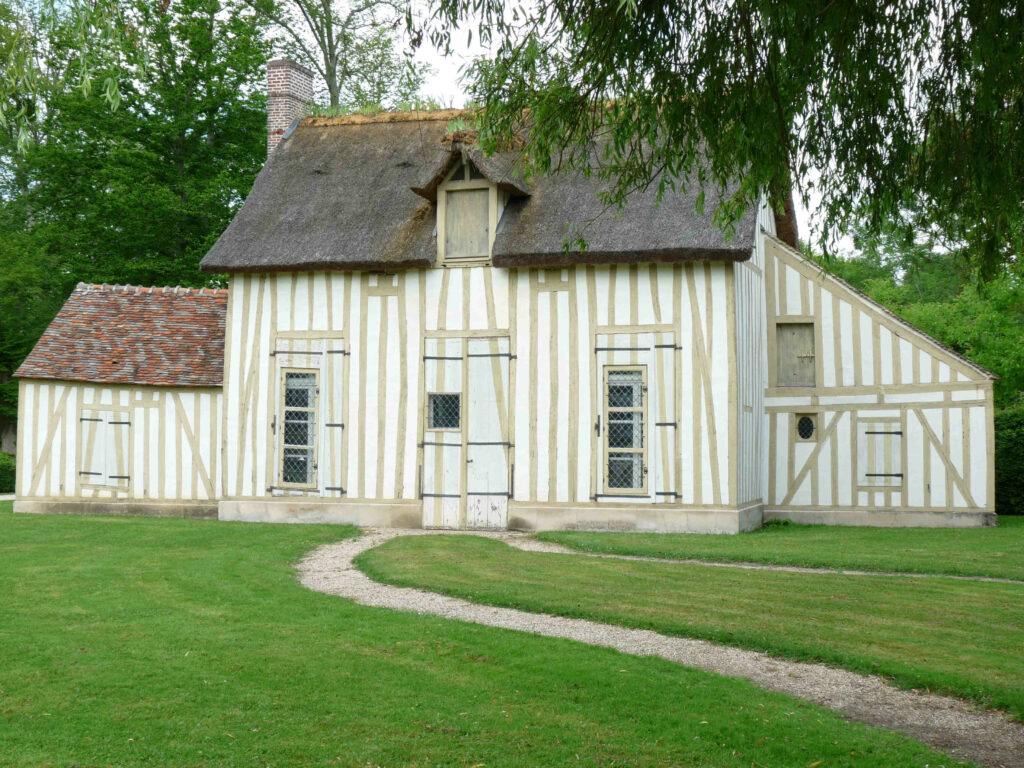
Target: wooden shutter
(92, 464)
(117, 427)
(879, 454)
(466, 223)
(106, 448)
(795, 354)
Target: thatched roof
(501, 169)
(360, 193)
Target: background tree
(135, 194)
(873, 107)
(353, 46)
(29, 30)
(923, 283)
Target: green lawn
(151, 642)
(956, 636)
(997, 552)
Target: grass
(960, 637)
(996, 552)
(153, 642)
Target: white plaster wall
(173, 440)
(872, 366)
(552, 318)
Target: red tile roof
(126, 334)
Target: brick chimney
(289, 92)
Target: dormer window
(470, 192)
(466, 223)
(468, 209)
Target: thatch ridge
(406, 116)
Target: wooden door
(442, 482)
(465, 474)
(636, 416)
(487, 445)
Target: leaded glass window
(298, 428)
(625, 440)
(443, 410)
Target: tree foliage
(35, 58)
(872, 108)
(927, 287)
(1009, 461)
(135, 194)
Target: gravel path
(528, 544)
(950, 724)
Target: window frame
(315, 444)
(777, 371)
(466, 182)
(815, 417)
(427, 414)
(643, 409)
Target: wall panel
(873, 367)
(553, 318)
(161, 440)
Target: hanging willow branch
(895, 113)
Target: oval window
(805, 427)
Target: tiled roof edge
(177, 290)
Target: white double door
(465, 476)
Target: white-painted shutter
(92, 463)
(879, 454)
(117, 461)
(105, 443)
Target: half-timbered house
(408, 341)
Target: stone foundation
(650, 518)
(201, 509)
(930, 518)
(405, 513)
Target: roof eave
(133, 382)
(563, 258)
(351, 265)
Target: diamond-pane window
(625, 471)
(297, 467)
(804, 427)
(443, 411)
(625, 430)
(298, 429)
(299, 389)
(621, 395)
(625, 415)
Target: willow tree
(891, 112)
(47, 46)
